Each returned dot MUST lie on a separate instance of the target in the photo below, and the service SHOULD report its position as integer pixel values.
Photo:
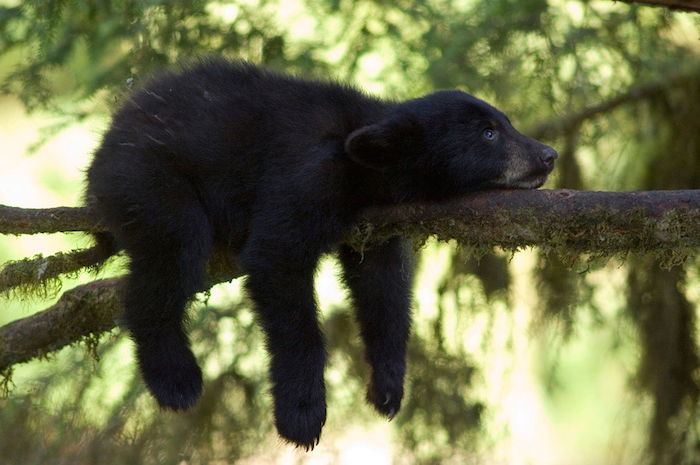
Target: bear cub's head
(450, 143)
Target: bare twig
(564, 124)
(685, 5)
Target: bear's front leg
(281, 283)
(380, 281)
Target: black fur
(275, 168)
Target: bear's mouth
(533, 182)
(524, 172)
(530, 181)
(533, 179)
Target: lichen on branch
(663, 223)
(39, 276)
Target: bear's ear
(385, 145)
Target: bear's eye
(489, 134)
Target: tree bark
(14, 220)
(565, 221)
(90, 309)
(577, 221)
(639, 220)
(685, 5)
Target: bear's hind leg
(281, 284)
(166, 270)
(380, 283)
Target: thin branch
(39, 275)
(564, 220)
(684, 5)
(15, 220)
(565, 124)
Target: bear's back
(217, 109)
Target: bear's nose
(548, 156)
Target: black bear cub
(274, 168)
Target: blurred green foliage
(538, 60)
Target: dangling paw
(385, 393)
(174, 378)
(300, 413)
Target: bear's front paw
(385, 393)
(174, 379)
(299, 420)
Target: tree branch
(533, 215)
(565, 124)
(578, 221)
(90, 309)
(14, 220)
(25, 275)
(569, 221)
(685, 5)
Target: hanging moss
(666, 320)
(6, 384)
(91, 342)
(669, 364)
(569, 224)
(557, 292)
(40, 277)
(557, 283)
(492, 271)
(27, 278)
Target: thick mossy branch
(665, 223)
(567, 222)
(87, 310)
(613, 221)
(605, 223)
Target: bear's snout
(547, 156)
(528, 164)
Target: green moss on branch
(39, 276)
(568, 223)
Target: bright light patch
(372, 64)
(227, 12)
(366, 446)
